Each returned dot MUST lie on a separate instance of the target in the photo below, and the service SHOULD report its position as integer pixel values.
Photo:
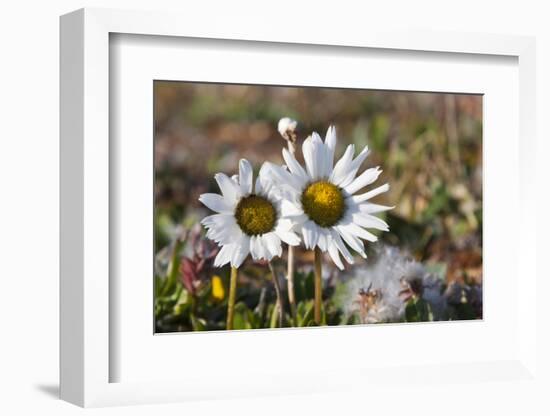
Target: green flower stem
(231, 300)
(318, 286)
(278, 293)
(290, 286)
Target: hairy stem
(278, 293)
(318, 286)
(231, 300)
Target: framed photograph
(285, 213)
(278, 253)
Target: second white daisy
(248, 218)
(321, 199)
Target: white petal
(290, 209)
(259, 188)
(241, 251)
(285, 224)
(255, 247)
(366, 178)
(371, 194)
(354, 167)
(262, 249)
(224, 255)
(233, 233)
(330, 144)
(222, 228)
(309, 157)
(320, 157)
(218, 220)
(263, 181)
(288, 237)
(357, 162)
(245, 177)
(229, 188)
(282, 177)
(310, 234)
(342, 247)
(280, 193)
(324, 237)
(273, 244)
(296, 220)
(351, 240)
(294, 166)
(369, 208)
(354, 229)
(342, 166)
(334, 255)
(216, 203)
(370, 221)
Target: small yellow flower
(218, 291)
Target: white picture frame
(87, 356)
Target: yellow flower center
(255, 215)
(218, 291)
(323, 202)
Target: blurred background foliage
(429, 146)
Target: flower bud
(287, 128)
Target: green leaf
(438, 202)
(159, 284)
(239, 317)
(303, 286)
(305, 313)
(418, 310)
(411, 313)
(198, 324)
(309, 285)
(273, 323)
(173, 268)
(254, 320)
(465, 311)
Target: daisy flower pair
(317, 204)
(318, 201)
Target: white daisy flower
(321, 199)
(248, 219)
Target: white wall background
(29, 206)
